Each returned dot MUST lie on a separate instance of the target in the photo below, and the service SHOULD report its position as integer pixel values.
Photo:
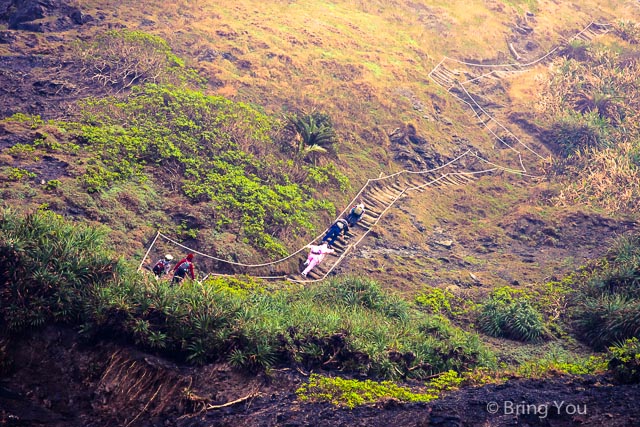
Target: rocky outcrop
(413, 150)
(36, 15)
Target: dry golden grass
(364, 63)
(351, 59)
(605, 178)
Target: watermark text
(541, 410)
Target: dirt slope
(437, 239)
(61, 381)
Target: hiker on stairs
(355, 214)
(163, 266)
(316, 255)
(182, 268)
(340, 226)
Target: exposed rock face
(35, 15)
(413, 150)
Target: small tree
(314, 134)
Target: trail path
(380, 194)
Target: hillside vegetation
(241, 129)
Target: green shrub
(60, 271)
(510, 316)
(606, 307)
(322, 175)
(354, 291)
(555, 363)
(21, 150)
(221, 153)
(624, 361)
(439, 301)
(52, 184)
(351, 393)
(34, 120)
(19, 174)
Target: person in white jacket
(316, 255)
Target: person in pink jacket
(316, 255)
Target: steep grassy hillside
(242, 128)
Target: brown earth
(60, 381)
(57, 380)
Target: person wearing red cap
(182, 268)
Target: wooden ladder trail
(381, 194)
(449, 78)
(592, 31)
(378, 194)
(378, 198)
(444, 76)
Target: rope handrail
(527, 64)
(355, 198)
(148, 250)
(239, 264)
(522, 172)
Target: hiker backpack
(159, 267)
(357, 210)
(183, 268)
(341, 223)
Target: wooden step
(366, 225)
(483, 118)
(314, 275)
(385, 194)
(582, 37)
(388, 197)
(444, 74)
(464, 178)
(370, 202)
(376, 198)
(339, 246)
(451, 180)
(369, 216)
(414, 182)
(373, 207)
(397, 188)
(442, 80)
(447, 72)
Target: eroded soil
(58, 380)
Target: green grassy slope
(200, 147)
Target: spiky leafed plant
(604, 104)
(628, 30)
(314, 134)
(505, 316)
(608, 319)
(574, 134)
(48, 265)
(575, 49)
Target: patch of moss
(351, 393)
